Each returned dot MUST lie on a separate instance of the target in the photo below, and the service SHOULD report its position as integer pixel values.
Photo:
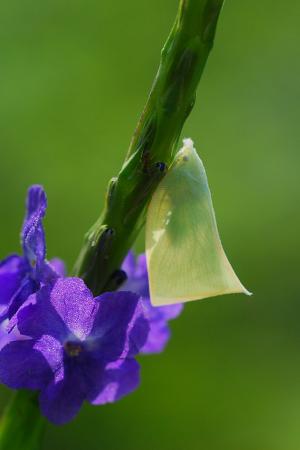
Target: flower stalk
(22, 426)
(153, 145)
(151, 151)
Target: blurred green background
(73, 80)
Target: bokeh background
(73, 80)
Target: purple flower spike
(78, 347)
(137, 281)
(33, 236)
(20, 276)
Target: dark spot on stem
(146, 140)
(161, 166)
(109, 232)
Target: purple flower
(77, 348)
(20, 276)
(137, 281)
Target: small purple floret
(137, 281)
(20, 276)
(77, 348)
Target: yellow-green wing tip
(159, 300)
(188, 143)
(188, 153)
(187, 149)
(246, 292)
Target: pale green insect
(185, 257)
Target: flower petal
(61, 401)
(22, 366)
(12, 271)
(53, 353)
(137, 275)
(28, 287)
(120, 327)
(38, 317)
(7, 335)
(119, 379)
(58, 266)
(74, 303)
(128, 264)
(158, 338)
(158, 317)
(64, 309)
(170, 312)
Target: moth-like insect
(185, 257)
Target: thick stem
(153, 144)
(22, 426)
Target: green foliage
(22, 426)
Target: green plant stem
(154, 142)
(151, 150)
(22, 426)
